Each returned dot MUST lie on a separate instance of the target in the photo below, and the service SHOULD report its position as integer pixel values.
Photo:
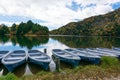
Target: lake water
(49, 43)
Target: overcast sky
(53, 13)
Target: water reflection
(35, 68)
(20, 70)
(1, 70)
(23, 41)
(4, 39)
(4, 70)
(85, 42)
(71, 41)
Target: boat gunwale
(14, 62)
(48, 59)
(63, 56)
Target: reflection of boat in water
(5, 71)
(1, 70)
(27, 70)
(20, 70)
(66, 57)
(35, 68)
(64, 66)
(39, 58)
(1, 67)
(14, 59)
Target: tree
(20, 29)
(13, 29)
(117, 29)
(28, 26)
(4, 30)
(31, 28)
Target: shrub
(107, 62)
(11, 76)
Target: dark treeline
(28, 28)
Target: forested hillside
(107, 25)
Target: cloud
(56, 13)
(7, 23)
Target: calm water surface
(50, 42)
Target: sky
(53, 13)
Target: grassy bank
(109, 68)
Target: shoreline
(109, 69)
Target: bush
(107, 62)
(11, 76)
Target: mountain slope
(108, 24)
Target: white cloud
(8, 23)
(55, 12)
(103, 9)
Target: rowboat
(84, 55)
(116, 48)
(39, 58)
(2, 54)
(14, 59)
(66, 57)
(116, 53)
(99, 52)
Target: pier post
(57, 64)
(45, 50)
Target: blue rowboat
(116, 53)
(84, 55)
(2, 54)
(99, 52)
(14, 59)
(116, 48)
(66, 57)
(39, 58)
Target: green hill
(107, 25)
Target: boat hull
(70, 61)
(0, 60)
(90, 59)
(44, 65)
(11, 67)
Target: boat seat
(32, 54)
(57, 50)
(3, 52)
(46, 58)
(39, 56)
(19, 51)
(60, 53)
(69, 56)
(13, 58)
(69, 50)
(17, 55)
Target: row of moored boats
(93, 55)
(13, 59)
